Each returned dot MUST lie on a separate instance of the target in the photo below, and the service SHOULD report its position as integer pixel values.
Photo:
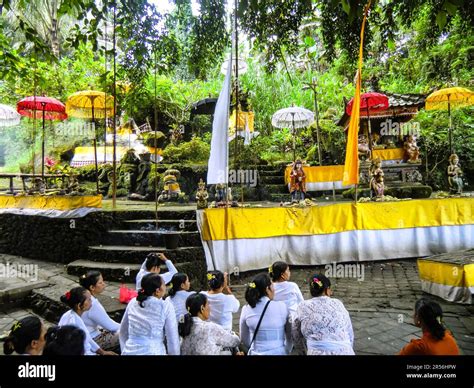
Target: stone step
(46, 303)
(16, 289)
(149, 238)
(265, 180)
(136, 255)
(166, 224)
(280, 197)
(163, 213)
(276, 189)
(120, 272)
(272, 173)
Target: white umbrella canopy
(240, 62)
(293, 117)
(8, 116)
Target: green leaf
(346, 6)
(309, 41)
(450, 7)
(441, 19)
(391, 45)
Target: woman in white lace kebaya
(178, 293)
(148, 319)
(322, 324)
(274, 334)
(201, 337)
(285, 290)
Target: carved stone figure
(171, 190)
(202, 195)
(297, 182)
(412, 151)
(455, 175)
(376, 178)
(363, 148)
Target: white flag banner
(218, 169)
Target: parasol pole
(294, 135)
(114, 112)
(43, 104)
(95, 147)
(370, 129)
(155, 180)
(105, 88)
(450, 126)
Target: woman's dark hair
(194, 305)
(21, 334)
(176, 281)
(215, 279)
(150, 283)
(430, 314)
(74, 297)
(277, 269)
(152, 260)
(318, 283)
(64, 341)
(257, 288)
(89, 279)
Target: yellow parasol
(91, 104)
(445, 99)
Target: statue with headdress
(297, 182)
(455, 175)
(202, 195)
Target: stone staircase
(125, 246)
(272, 180)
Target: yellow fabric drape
(319, 173)
(50, 202)
(388, 154)
(245, 119)
(351, 165)
(448, 274)
(234, 223)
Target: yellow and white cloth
(253, 238)
(449, 278)
(55, 206)
(320, 178)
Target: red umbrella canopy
(374, 101)
(34, 105)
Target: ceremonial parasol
(294, 117)
(371, 101)
(91, 104)
(47, 108)
(448, 98)
(8, 116)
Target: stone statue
(363, 148)
(412, 151)
(73, 187)
(171, 190)
(455, 175)
(220, 192)
(376, 183)
(38, 186)
(202, 195)
(297, 182)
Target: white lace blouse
(323, 326)
(289, 293)
(96, 318)
(208, 338)
(70, 317)
(143, 329)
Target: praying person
(26, 337)
(322, 324)
(285, 290)
(64, 341)
(178, 293)
(79, 300)
(152, 265)
(101, 327)
(436, 340)
(148, 319)
(223, 302)
(273, 336)
(200, 335)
